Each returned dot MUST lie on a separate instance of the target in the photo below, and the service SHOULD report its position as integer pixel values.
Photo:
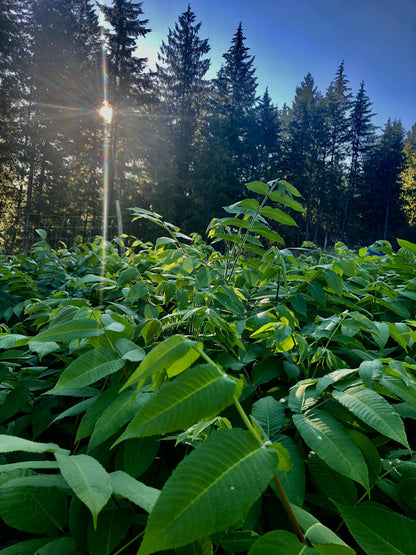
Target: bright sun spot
(106, 112)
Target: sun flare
(106, 112)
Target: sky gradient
(375, 38)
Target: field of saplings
(216, 396)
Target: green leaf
(332, 484)
(377, 529)
(141, 495)
(248, 204)
(27, 464)
(238, 541)
(174, 355)
(88, 479)
(9, 340)
(118, 413)
(112, 528)
(374, 410)
(62, 546)
(293, 482)
(203, 480)
(40, 510)
(28, 547)
(89, 368)
(137, 291)
(198, 394)
(100, 403)
(402, 390)
(370, 371)
(277, 215)
(286, 200)
(317, 293)
(327, 437)
(9, 444)
(269, 414)
(411, 247)
(68, 331)
(138, 454)
(268, 233)
(258, 187)
(334, 281)
(127, 275)
(280, 541)
(80, 407)
(322, 538)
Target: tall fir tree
(230, 133)
(128, 93)
(362, 137)
(14, 53)
(268, 139)
(306, 150)
(336, 106)
(383, 168)
(180, 75)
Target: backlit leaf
(174, 355)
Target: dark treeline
(180, 143)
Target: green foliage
(185, 398)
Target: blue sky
(288, 38)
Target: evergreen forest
(179, 143)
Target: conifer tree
(180, 79)
(362, 137)
(63, 132)
(128, 92)
(337, 105)
(306, 146)
(382, 207)
(231, 130)
(14, 51)
(268, 134)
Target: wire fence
(19, 235)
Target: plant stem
(288, 509)
(246, 421)
(251, 429)
(280, 489)
(253, 221)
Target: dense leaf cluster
(195, 400)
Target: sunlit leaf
(198, 394)
(174, 355)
